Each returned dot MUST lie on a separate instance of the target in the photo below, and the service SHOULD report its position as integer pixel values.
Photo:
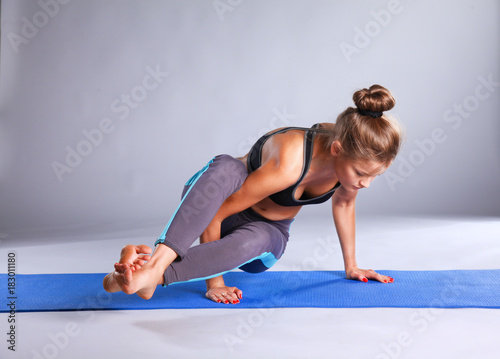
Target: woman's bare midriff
(270, 210)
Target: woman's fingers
(379, 277)
(365, 275)
(142, 248)
(139, 262)
(135, 267)
(143, 257)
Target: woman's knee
(225, 174)
(220, 178)
(263, 237)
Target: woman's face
(357, 174)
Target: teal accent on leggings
(267, 258)
(189, 183)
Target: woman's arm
(278, 172)
(344, 217)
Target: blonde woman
(242, 208)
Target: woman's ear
(336, 148)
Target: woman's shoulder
(287, 141)
(286, 149)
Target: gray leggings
(248, 240)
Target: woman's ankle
(162, 257)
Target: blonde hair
(364, 132)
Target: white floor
(383, 243)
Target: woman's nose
(365, 183)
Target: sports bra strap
(286, 197)
(254, 159)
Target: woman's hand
(364, 275)
(224, 294)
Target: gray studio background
(108, 107)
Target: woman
(242, 208)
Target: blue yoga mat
(320, 289)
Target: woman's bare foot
(220, 293)
(133, 257)
(140, 278)
(109, 283)
(142, 281)
(225, 294)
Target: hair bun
(374, 100)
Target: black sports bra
(287, 196)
